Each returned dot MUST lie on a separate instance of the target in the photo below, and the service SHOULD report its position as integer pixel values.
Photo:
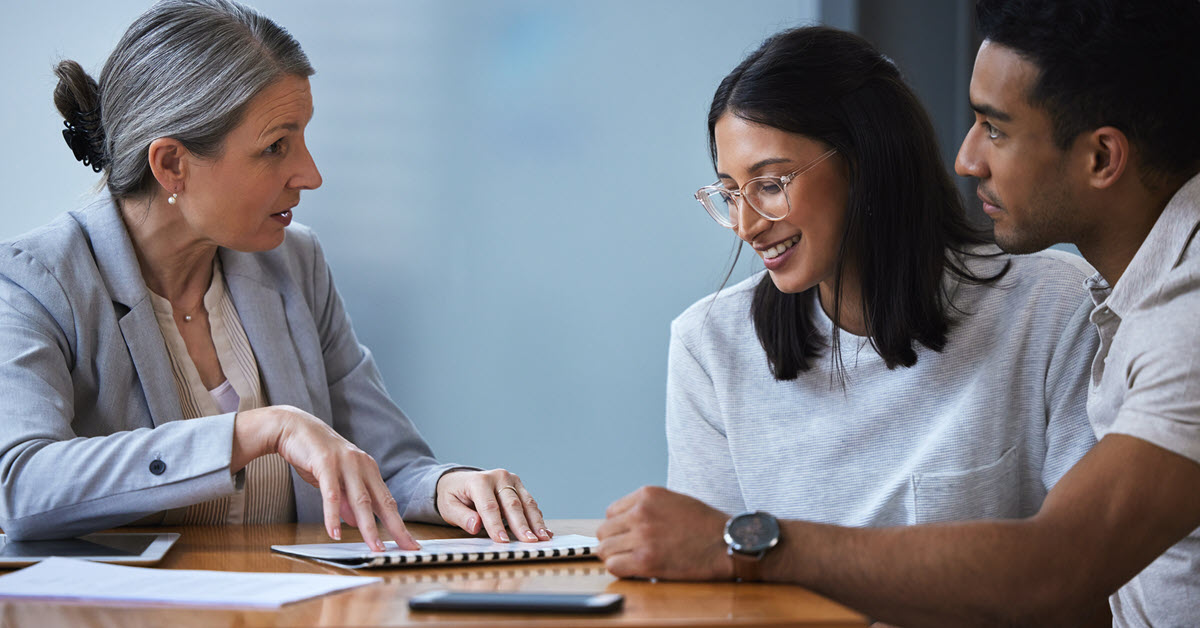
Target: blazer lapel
(264, 318)
(118, 265)
(263, 312)
(149, 353)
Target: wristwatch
(749, 537)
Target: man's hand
(656, 533)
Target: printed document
(70, 578)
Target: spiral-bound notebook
(444, 552)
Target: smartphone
(517, 602)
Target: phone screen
(517, 602)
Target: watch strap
(746, 567)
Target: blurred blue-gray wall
(507, 203)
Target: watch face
(752, 532)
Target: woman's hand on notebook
(351, 486)
(471, 499)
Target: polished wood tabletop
(247, 548)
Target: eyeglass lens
(766, 196)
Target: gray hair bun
(77, 98)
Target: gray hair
(185, 69)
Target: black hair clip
(79, 145)
(86, 139)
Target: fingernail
(471, 525)
(544, 533)
(337, 534)
(530, 535)
(503, 536)
(548, 531)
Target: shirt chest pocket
(989, 492)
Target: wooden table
(235, 548)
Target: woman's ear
(1108, 150)
(168, 162)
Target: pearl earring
(172, 199)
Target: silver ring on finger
(511, 488)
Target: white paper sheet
(69, 578)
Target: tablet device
(494, 602)
(124, 548)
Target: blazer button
(157, 467)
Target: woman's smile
(775, 257)
(778, 249)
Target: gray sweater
(982, 429)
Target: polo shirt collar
(1160, 252)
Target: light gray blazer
(90, 429)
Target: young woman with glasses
(888, 367)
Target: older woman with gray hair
(177, 352)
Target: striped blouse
(265, 493)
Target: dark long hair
(904, 218)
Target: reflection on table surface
(247, 548)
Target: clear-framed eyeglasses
(765, 195)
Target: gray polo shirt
(981, 429)
(1146, 384)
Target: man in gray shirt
(1086, 132)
